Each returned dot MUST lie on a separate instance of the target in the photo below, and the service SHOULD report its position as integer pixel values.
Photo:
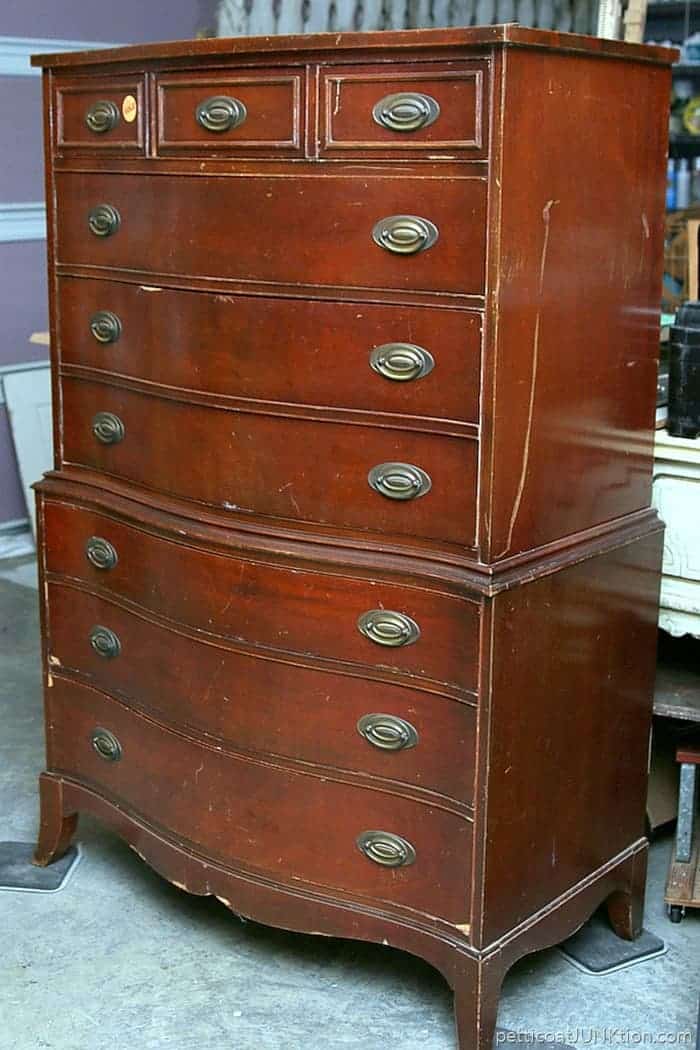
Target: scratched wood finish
(348, 97)
(239, 810)
(254, 462)
(275, 606)
(73, 99)
(320, 229)
(264, 350)
(250, 295)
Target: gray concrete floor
(121, 959)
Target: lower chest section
(313, 727)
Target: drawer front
(431, 111)
(244, 813)
(281, 350)
(311, 230)
(254, 463)
(276, 606)
(236, 113)
(106, 115)
(266, 705)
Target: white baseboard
(16, 540)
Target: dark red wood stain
(246, 540)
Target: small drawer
(262, 704)
(236, 113)
(375, 479)
(409, 360)
(436, 112)
(107, 115)
(361, 232)
(244, 813)
(266, 606)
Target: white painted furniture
(677, 499)
(27, 391)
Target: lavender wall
(22, 264)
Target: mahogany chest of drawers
(349, 576)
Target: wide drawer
(265, 704)
(279, 606)
(236, 112)
(252, 815)
(282, 350)
(309, 230)
(306, 469)
(105, 114)
(435, 111)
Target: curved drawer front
(302, 469)
(279, 606)
(289, 826)
(267, 705)
(282, 350)
(313, 230)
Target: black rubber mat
(18, 873)
(597, 950)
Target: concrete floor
(121, 959)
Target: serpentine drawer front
(348, 572)
(318, 231)
(394, 732)
(280, 606)
(262, 825)
(374, 479)
(371, 358)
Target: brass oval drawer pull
(106, 744)
(399, 480)
(220, 113)
(105, 326)
(406, 111)
(103, 220)
(386, 849)
(401, 362)
(108, 428)
(101, 553)
(386, 627)
(102, 116)
(105, 642)
(405, 234)
(387, 732)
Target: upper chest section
(413, 109)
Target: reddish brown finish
(262, 702)
(255, 462)
(319, 228)
(578, 267)
(274, 102)
(585, 672)
(256, 813)
(279, 607)
(72, 101)
(265, 350)
(348, 97)
(405, 43)
(688, 754)
(58, 827)
(251, 295)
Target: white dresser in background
(677, 499)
